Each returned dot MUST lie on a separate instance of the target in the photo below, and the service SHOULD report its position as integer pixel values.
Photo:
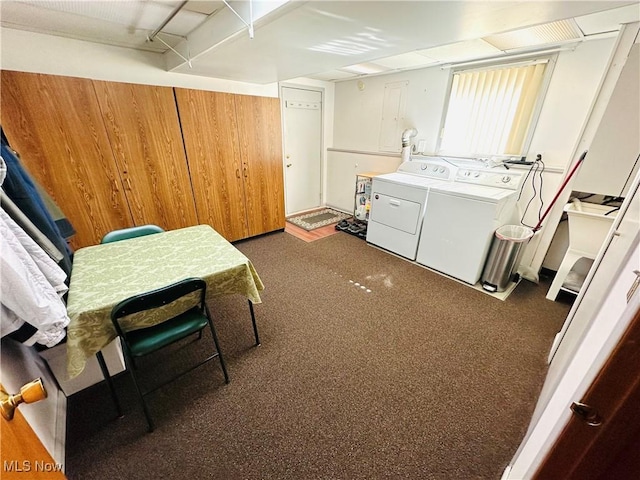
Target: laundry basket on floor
(503, 256)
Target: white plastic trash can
(503, 256)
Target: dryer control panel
(506, 179)
(431, 169)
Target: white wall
(573, 87)
(358, 112)
(342, 168)
(38, 53)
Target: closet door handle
(244, 170)
(237, 173)
(128, 183)
(115, 185)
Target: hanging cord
(609, 200)
(537, 168)
(524, 182)
(562, 187)
(612, 210)
(539, 159)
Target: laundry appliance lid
(418, 181)
(478, 192)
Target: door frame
(595, 346)
(323, 149)
(584, 451)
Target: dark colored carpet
(420, 378)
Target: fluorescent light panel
(332, 75)
(364, 68)
(549, 33)
(405, 60)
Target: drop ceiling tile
(405, 60)
(74, 15)
(608, 21)
(456, 52)
(204, 6)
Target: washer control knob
(466, 173)
(506, 179)
(476, 174)
(424, 166)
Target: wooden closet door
(210, 137)
(144, 130)
(21, 450)
(55, 125)
(260, 134)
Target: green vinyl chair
(144, 341)
(132, 232)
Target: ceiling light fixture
(364, 68)
(548, 33)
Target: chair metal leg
(253, 321)
(107, 377)
(217, 344)
(152, 427)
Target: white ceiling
(317, 39)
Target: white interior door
(302, 118)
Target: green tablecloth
(104, 275)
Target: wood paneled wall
(144, 131)
(56, 126)
(234, 147)
(210, 133)
(260, 133)
(114, 155)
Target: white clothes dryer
(461, 218)
(398, 202)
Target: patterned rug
(319, 218)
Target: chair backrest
(157, 298)
(132, 232)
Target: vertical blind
(490, 110)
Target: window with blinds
(491, 110)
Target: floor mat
(319, 218)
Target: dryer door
(397, 213)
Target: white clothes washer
(398, 202)
(461, 218)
